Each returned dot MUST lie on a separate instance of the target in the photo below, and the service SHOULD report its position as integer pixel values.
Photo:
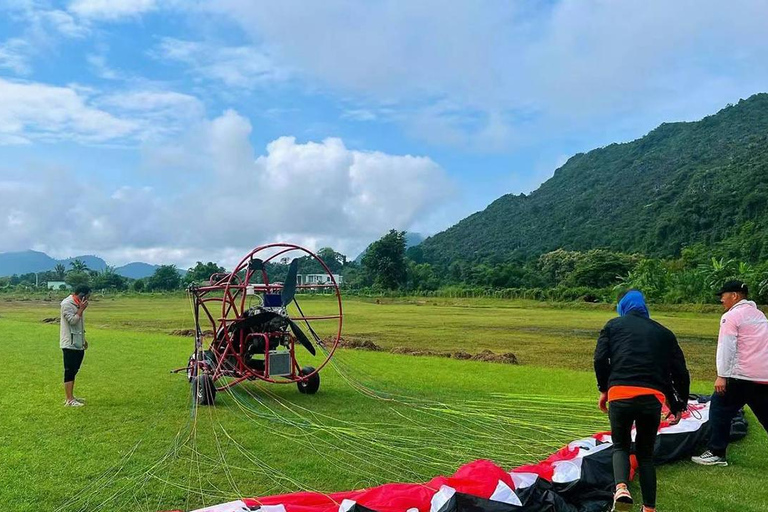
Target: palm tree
(60, 270)
(78, 265)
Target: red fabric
(544, 468)
(632, 466)
(478, 478)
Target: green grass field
(379, 417)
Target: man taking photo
(72, 340)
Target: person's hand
(85, 344)
(720, 383)
(674, 417)
(602, 402)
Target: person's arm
(603, 365)
(681, 378)
(72, 313)
(727, 345)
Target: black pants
(72, 361)
(645, 413)
(738, 393)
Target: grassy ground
(138, 445)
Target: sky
(175, 131)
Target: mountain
(411, 240)
(136, 270)
(92, 262)
(681, 184)
(25, 262)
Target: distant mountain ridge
(686, 183)
(25, 262)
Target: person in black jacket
(639, 366)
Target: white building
(310, 279)
(57, 285)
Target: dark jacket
(633, 350)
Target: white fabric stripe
(346, 505)
(236, 506)
(523, 479)
(441, 497)
(272, 508)
(504, 494)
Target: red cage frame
(231, 291)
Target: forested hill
(683, 183)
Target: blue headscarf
(633, 301)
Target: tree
(138, 285)
(59, 271)
(78, 265)
(75, 279)
(166, 277)
(108, 279)
(334, 260)
(202, 272)
(421, 276)
(384, 261)
(557, 265)
(599, 268)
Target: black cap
(734, 286)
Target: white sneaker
(73, 403)
(709, 459)
(622, 500)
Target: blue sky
(175, 131)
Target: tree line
(388, 267)
(164, 278)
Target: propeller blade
(289, 287)
(301, 337)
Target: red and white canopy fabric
(577, 478)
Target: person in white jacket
(72, 340)
(742, 369)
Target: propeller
(289, 287)
(288, 294)
(301, 337)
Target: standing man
(72, 340)
(639, 366)
(742, 369)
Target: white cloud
(315, 193)
(33, 110)
(63, 23)
(560, 66)
(111, 9)
(98, 64)
(40, 33)
(234, 66)
(14, 55)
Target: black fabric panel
(359, 508)
(537, 498)
(595, 487)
